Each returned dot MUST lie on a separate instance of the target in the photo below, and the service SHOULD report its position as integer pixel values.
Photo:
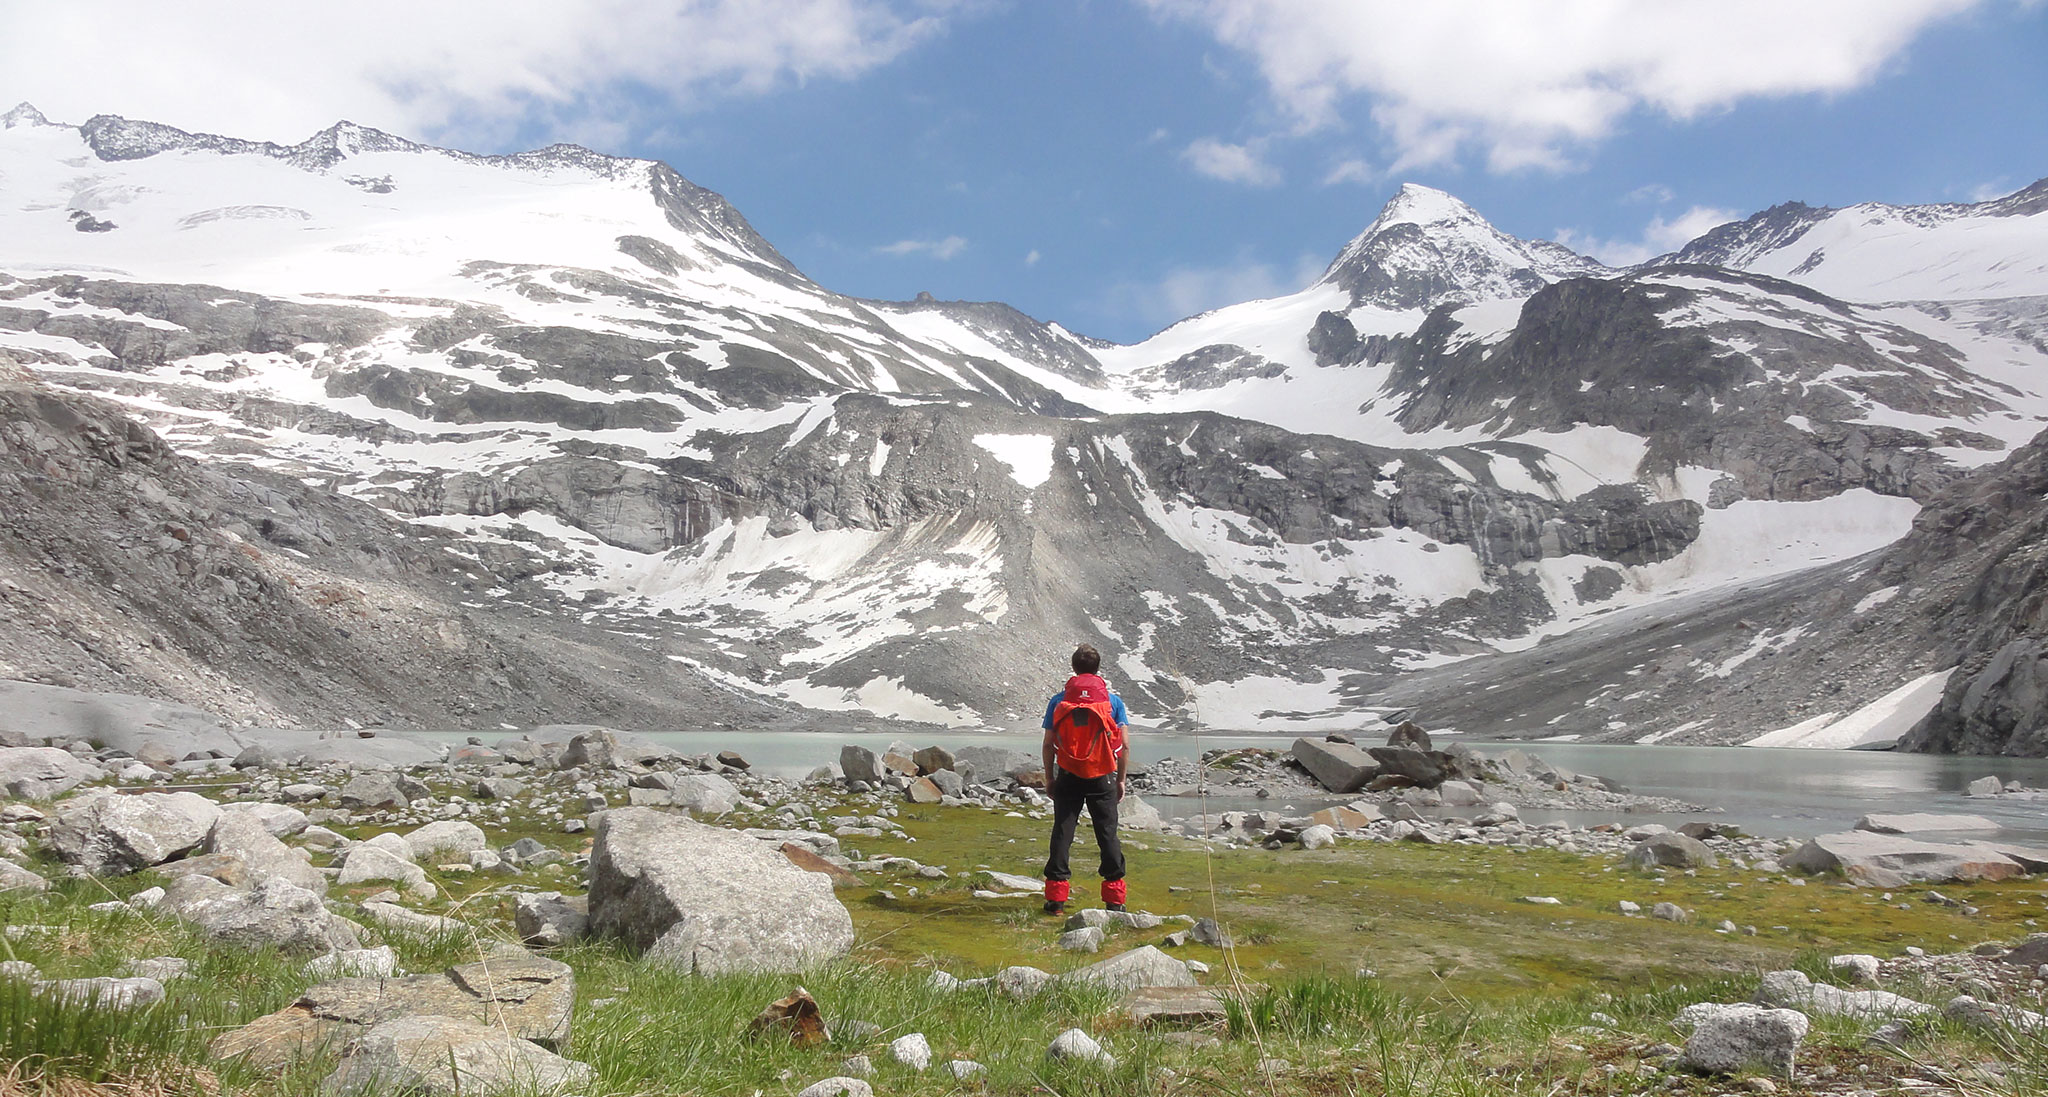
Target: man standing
(1085, 763)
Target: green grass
(1475, 992)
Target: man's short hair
(1087, 660)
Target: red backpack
(1085, 728)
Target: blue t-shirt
(1116, 708)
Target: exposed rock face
(110, 834)
(708, 900)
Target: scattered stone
(1144, 966)
(1671, 851)
(360, 963)
(13, 877)
(244, 836)
(1793, 990)
(1879, 860)
(446, 838)
(838, 1087)
(274, 914)
(1670, 912)
(373, 790)
(1319, 836)
(1861, 967)
(1339, 767)
(1074, 1044)
(1923, 823)
(1022, 982)
(913, 1051)
(1085, 939)
(369, 864)
(550, 919)
(1205, 931)
(164, 969)
(104, 992)
(963, 1069)
(1151, 1006)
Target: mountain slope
(600, 399)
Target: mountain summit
(1427, 248)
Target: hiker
(1085, 763)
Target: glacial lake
(1774, 792)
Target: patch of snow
(1881, 721)
(1029, 456)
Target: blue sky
(1117, 164)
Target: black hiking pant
(1069, 795)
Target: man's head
(1087, 660)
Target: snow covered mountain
(596, 385)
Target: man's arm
(1123, 754)
(1048, 750)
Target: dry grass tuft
(24, 1079)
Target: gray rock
(839, 1086)
(1459, 794)
(281, 820)
(1411, 736)
(39, 773)
(708, 900)
(1985, 786)
(1880, 860)
(1021, 982)
(597, 748)
(1671, 851)
(1144, 966)
(274, 914)
(704, 794)
(373, 790)
(950, 783)
(1319, 836)
(104, 992)
(13, 877)
(1670, 912)
(368, 864)
(1076, 1045)
(242, 835)
(859, 763)
(963, 1069)
(164, 969)
(1085, 939)
(1205, 931)
(498, 788)
(986, 765)
(109, 834)
(1746, 1038)
(1427, 769)
(443, 1055)
(1862, 967)
(549, 919)
(1793, 990)
(1339, 767)
(356, 963)
(446, 838)
(1923, 823)
(911, 1050)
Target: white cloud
(1185, 291)
(1231, 163)
(1031, 259)
(1351, 171)
(1996, 188)
(942, 250)
(1660, 237)
(1529, 83)
(482, 72)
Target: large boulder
(432, 1056)
(39, 773)
(274, 914)
(109, 834)
(549, 918)
(368, 864)
(931, 760)
(281, 820)
(1881, 860)
(1426, 768)
(1671, 850)
(597, 748)
(380, 789)
(1339, 767)
(242, 835)
(1410, 734)
(708, 900)
(858, 763)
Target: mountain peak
(23, 114)
(1427, 248)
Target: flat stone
(1794, 990)
(1671, 851)
(435, 1055)
(1923, 823)
(1746, 1038)
(1158, 1006)
(1144, 966)
(1339, 767)
(39, 773)
(1880, 860)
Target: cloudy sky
(1118, 164)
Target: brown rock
(795, 1017)
(804, 858)
(923, 791)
